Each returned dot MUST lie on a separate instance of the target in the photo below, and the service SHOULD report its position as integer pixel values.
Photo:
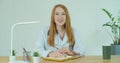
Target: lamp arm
(12, 29)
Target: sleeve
(40, 45)
(78, 46)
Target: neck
(60, 29)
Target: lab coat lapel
(64, 42)
(65, 38)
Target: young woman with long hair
(60, 39)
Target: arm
(40, 45)
(78, 47)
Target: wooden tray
(60, 59)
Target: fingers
(56, 54)
(62, 52)
(65, 50)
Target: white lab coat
(43, 47)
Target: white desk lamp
(12, 29)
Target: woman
(59, 39)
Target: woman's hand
(62, 52)
(67, 51)
(56, 54)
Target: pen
(27, 56)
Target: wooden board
(60, 59)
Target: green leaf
(119, 41)
(13, 52)
(119, 19)
(109, 15)
(105, 25)
(113, 19)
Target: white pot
(12, 58)
(36, 59)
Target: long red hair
(68, 28)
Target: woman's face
(60, 17)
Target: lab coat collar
(65, 38)
(57, 39)
(60, 43)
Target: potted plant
(114, 25)
(12, 58)
(36, 57)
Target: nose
(60, 16)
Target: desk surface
(85, 59)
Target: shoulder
(44, 30)
(76, 33)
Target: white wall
(86, 16)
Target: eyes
(60, 14)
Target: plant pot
(115, 49)
(36, 59)
(12, 58)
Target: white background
(86, 16)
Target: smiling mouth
(60, 21)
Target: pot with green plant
(36, 58)
(13, 57)
(114, 25)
